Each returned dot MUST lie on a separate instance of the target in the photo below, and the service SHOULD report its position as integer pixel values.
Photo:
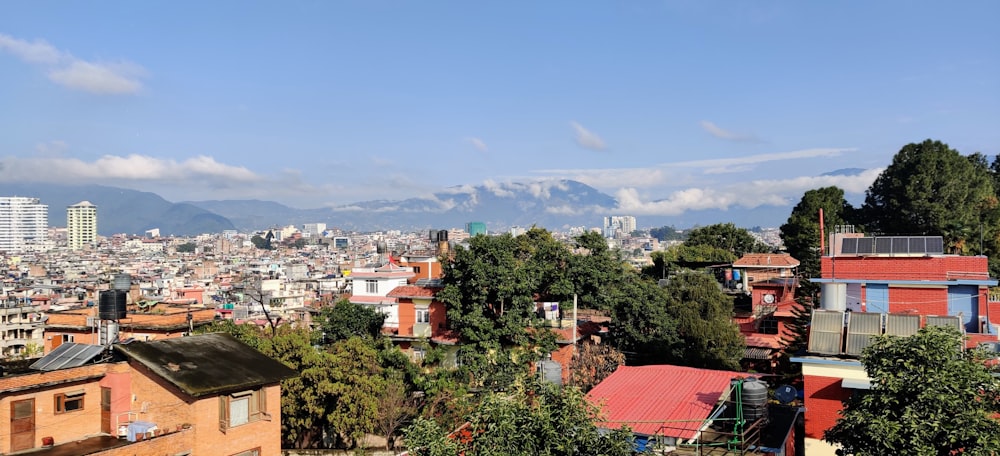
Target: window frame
(60, 401)
(256, 407)
(422, 312)
(371, 286)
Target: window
(371, 286)
(241, 408)
(769, 325)
(418, 354)
(423, 316)
(416, 269)
(69, 402)
(67, 338)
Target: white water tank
(833, 296)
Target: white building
(313, 229)
(618, 226)
(81, 225)
(24, 222)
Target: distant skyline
(672, 107)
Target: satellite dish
(785, 394)
(769, 298)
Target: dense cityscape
(500, 229)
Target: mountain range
(555, 205)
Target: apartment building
(24, 223)
(81, 225)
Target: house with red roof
(763, 286)
(681, 410)
(885, 285)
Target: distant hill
(554, 205)
(122, 210)
(844, 172)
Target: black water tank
(442, 235)
(111, 305)
(754, 399)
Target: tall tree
(929, 396)
(356, 385)
(801, 233)
(593, 363)
(931, 189)
(530, 420)
(726, 236)
(703, 313)
(345, 320)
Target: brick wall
(823, 401)
(171, 443)
(156, 401)
(264, 434)
(62, 427)
(923, 301)
(906, 268)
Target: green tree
(726, 236)
(931, 189)
(187, 247)
(801, 233)
(667, 233)
(530, 420)
(703, 315)
(929, 396)
(262, 243)
(356, 384)
(641, 326)
(345, 320)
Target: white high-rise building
(618, 226)
(23, 223)
(81, 225)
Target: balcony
(421, 330)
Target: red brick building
(207, 394)
(884, 285)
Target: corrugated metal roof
(68, 355)
(663, 400)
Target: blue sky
(670, 106)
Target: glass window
(239, 411)
(69, 402)
(423, 316)
(371, 286)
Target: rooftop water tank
(111, 305)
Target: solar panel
(67, 355)
(918, 245)
(826, 332)
(849, 246)
(955, 322)
(935, 245)
(902, 325)
(900, 244)
(883, 245)
(866, 246)
(861, 330)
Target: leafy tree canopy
(929, 396)
(801, 233)
(709, 338)
(667, 233)
(726, 236)
(345, 320)
(530, 420)
(186, 247)
(931, 189)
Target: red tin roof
(663, 400)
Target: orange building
(207, 394)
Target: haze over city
(670, 107)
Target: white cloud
(75, 73)
(201, 171)
(497, 189)
(111, 79)
(679, 173)
(479, 144)
(34, 52)
(722, 133)
(756, 193)
(587, 139)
